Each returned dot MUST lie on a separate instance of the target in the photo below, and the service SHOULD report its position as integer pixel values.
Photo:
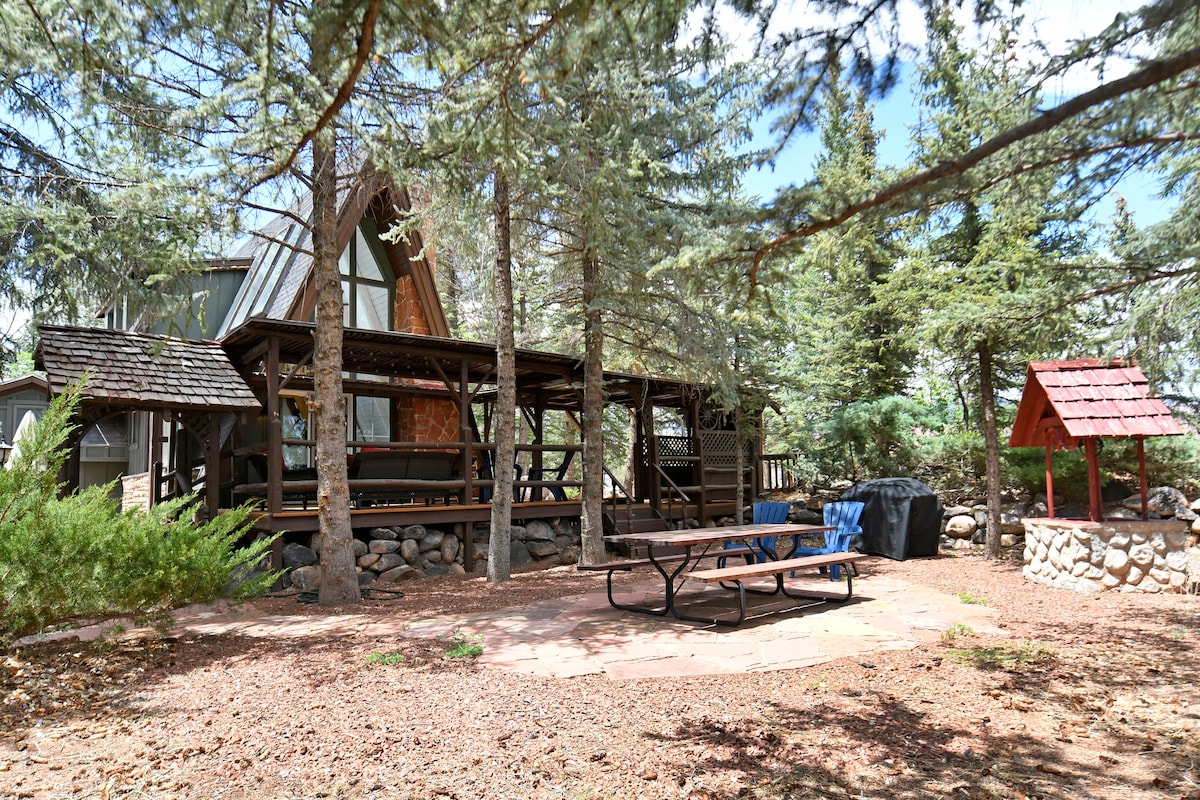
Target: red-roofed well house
(1066, 404)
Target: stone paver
(582, 634)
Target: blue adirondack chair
(552, 473)
(845, 516)
(765, 513)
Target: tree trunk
(991, 439)
(592, 533)
(499, 556)
(339, 580)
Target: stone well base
(1154, 556)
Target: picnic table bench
(629, 564)
(751, 541)
(739, 573)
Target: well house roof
(1066, 401)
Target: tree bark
(499, 555)
(991, 439)
(592, 523)
(339, 579)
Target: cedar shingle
(142, 370)
(1090, 398)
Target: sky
(1055, 22)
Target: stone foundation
(1154, 556)
(391, 555)
(135, 491)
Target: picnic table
(674, 555)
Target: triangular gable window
(368, 285)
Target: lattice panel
(719, 448)
(669, 446)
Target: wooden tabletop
(694, 536)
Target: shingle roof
(137, 370)
(1087, 398)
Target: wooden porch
(420, 410)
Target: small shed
(1068, 403)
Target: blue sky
(1054, 22)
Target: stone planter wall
(1154, 556)
(391, 555)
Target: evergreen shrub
(64, 558)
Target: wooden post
(1096, 506)
(466, 435)
(212, 466)
(1141, 451)
(274, 448)
(1049, 480)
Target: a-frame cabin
(418, 403)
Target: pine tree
(978, 285)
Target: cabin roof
(556, 379)
(138, 370)
(14, 385)
(1066, 401)
(280, 255)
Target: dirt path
(1064, 696)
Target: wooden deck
(305, 520)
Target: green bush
(874, 437)
(951, 459)
(81, 556)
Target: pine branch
(366, 40)
(1154, 73)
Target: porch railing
(779, 472)
(299, 484)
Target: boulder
(1164, 501)
(538, 531)
(306, 579)
(297, 555)
(359, 547)
(541, 549)
(383, 546)
(432, 540)
(401, 573)
(449, 549)
(1116, 563)
(961, 526)
(518, 556)
(388, 561)
(410, 550)
(384, 533)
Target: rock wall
(135, 491)
(391, 555)
(1155, 556)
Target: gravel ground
(1081, 697)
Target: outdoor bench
(739, 573)
(416, 475)
(629, 564)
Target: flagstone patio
(582, 634)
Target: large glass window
(372, 419)
(368, 286)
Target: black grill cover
(902, 517)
